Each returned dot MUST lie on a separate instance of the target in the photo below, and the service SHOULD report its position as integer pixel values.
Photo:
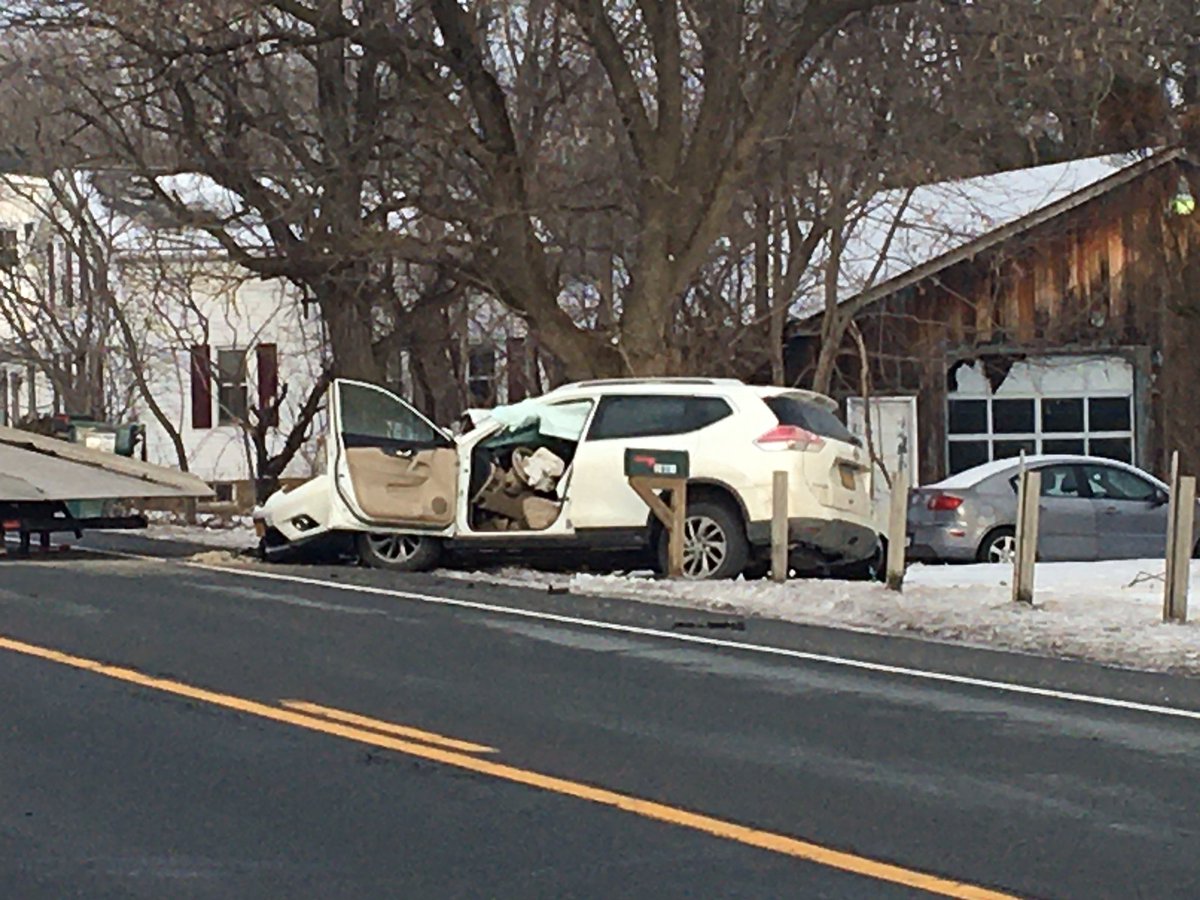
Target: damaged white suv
(549, 472)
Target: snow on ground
(1109, 612)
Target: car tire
(725, 551)
(998, 547)
(399, 552)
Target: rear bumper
(837, 540)
(936, 544)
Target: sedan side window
(1063, 482)
(1109, 483)
(648, 415)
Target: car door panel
(600, 494)
(1066, 529)
(404, 486)
(1066, 517)
(391, 465)
(1131, 523)
(1131, 529)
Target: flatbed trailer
(44, 518)
(40, 476)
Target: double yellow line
(465, 755)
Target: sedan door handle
(1111, 510)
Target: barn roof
(935, 226)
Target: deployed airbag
(565, 422)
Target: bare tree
(597, 168)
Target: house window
(1060, 406)
(481, 375)
(222, 491)
(9, 254)
(232, 389)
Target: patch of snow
(1108, 612)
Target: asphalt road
(173, 731)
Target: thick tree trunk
(348, 323)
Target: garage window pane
(966, 454)
(1108, 414)
(1112, 448)
(1072, 446)
(1063, 415)
(968, 417)
(1012, 416)
(1008, 449)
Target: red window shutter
(268, 382)
(201, 387)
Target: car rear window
(648, 415)
(790, 409)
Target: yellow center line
(428, 737)
(743, 834)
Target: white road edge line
(841, 661)
(845, 662)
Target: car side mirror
(1161, 498)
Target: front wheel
(999, 547)
(399, 552)
(714, 543)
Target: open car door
(392, 466)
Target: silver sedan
(1090, 508)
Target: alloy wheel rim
(395, 547)
(705, 547)
(1003, 549)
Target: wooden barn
(1073, 328)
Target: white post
(779, 527)
(897, 530)
(1029, 494)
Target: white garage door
(1053, 404)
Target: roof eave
(1012, 229)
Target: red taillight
(945, 502)
(789, 437)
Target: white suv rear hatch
(833, 464)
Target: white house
(192, 342)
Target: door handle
(1111, 510)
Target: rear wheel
(714, 542)
(399, 552)
(1000, 546)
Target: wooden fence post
(1027, 535)
(897, 530)
(779, 527)
(1181, 514)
